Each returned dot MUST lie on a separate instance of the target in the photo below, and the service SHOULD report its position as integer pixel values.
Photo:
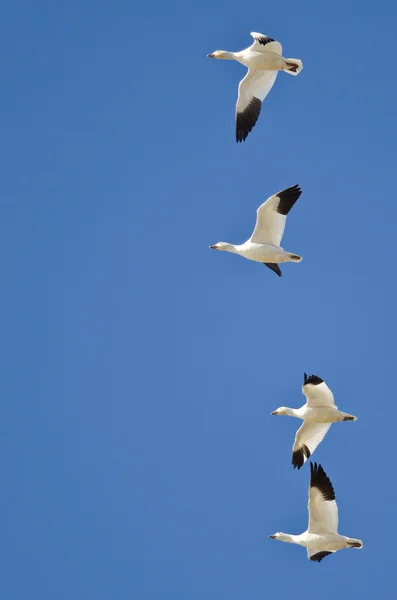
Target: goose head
(283, 410)
(219, 54)
(220, 246)
(282, 537)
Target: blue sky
(139, 368)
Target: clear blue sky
(138, 367)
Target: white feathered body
(264, 253)
(263, 61)
(330, 542)
(320, 414)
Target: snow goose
(317, 414)
(321, 538)
(264, 244)
(264, 60)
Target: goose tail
(353, 543)
(347, 417)
(293, 66)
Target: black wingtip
(313, 379)
(299, 456)
(288, 197)
(319, 556)
(264, 39)
(275, 268)
(320, 480)
(246, 120)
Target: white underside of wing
(318, 395)
(256, 84)
(274, 46)
(310, 435)
(323, 514)
(270, 224)
(252, 90)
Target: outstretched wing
(307, 438)
(271, 216)
(316, 555)
(323, 510)
(252, 90)
(263, 43)
(317, 392)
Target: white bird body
(264, 244)
(319, 541)
(321, 537)
(262, 253)
(319, 412)
(264, 60)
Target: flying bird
(317, 415)
(264, 60)
(321, 538)
(264, 244)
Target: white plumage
(264, 244)
(264, 60)
(321, 537)
(317, 414)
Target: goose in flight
(264, 244)
(264, 60)
(317, 415)
(321, 538)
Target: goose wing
(307, 438)
(322, 507)
(252, 90)
(264, 43)
(316, 555)
(317, 392)
(271, 216)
